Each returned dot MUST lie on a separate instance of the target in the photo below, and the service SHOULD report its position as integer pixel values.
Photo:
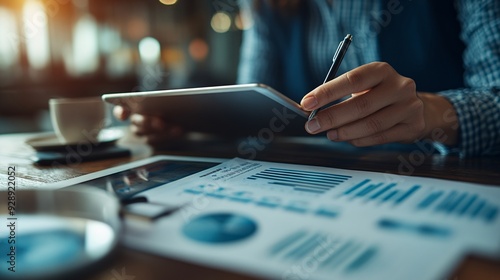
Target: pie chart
(219, 228)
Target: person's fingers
(402, 132)
(357, 80)
(376, 123)
(121, 112)
(364, 104)
(143, 125)
(155, 129)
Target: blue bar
(284, 243)
(306, 246)
(362, 259)
(240, 199)
(295, 209)
(478, 208)
(429, 200)
(342, 256)
(292, 180)
(367, 190)
(491, 214)
(407, 194)
(457, 202)
(427, 229)
(390, 195)
(241, 196)
(241, 193)
(324, 212)
(193, 191)
(271, 202)
(295, 185)
(355, 187)
(337, 254)
(306, 177)
(307, 190)
(301, 178)
(467, 205)
(310, 172)
(390, 224)
(447, 201)
(382, 191)
(216, 194)
(267, 204)
(297, 206)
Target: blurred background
(83, 48)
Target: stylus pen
(337, 59)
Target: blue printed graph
(426, 229)
(335, 252)
(299, 180)
(383, 193)
(298, 206)
(461, 204)
(220, 228)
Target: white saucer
(50, 142)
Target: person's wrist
(441, 122)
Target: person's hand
(384, 108)
(156, 131)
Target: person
(416, 70)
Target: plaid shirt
(270, 48)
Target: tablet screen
(126, 184)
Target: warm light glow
(120, 62)
(9, 48)
(149, 50)
(168, 2)
(198, 49)
(137, 28)
(221, 22)
(36, 33)
(173, 56)
(85, 45)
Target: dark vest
(422, 42)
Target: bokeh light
(9, 48)
(221, 22)
(149, 50)
(86, 45)
(36, 33)
(198, 49)
(168, 2)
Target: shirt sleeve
(259, 60)
(478, 105)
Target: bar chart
(333, 252)
(460, 204)
(380, 192)
(299, 180)
(269, 201)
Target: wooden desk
(129, 264)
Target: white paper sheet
(305, 222)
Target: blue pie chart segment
(219, 228)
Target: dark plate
(50, 142)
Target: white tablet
(237, 110)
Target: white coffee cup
(77, 119)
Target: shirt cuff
(477, 110)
